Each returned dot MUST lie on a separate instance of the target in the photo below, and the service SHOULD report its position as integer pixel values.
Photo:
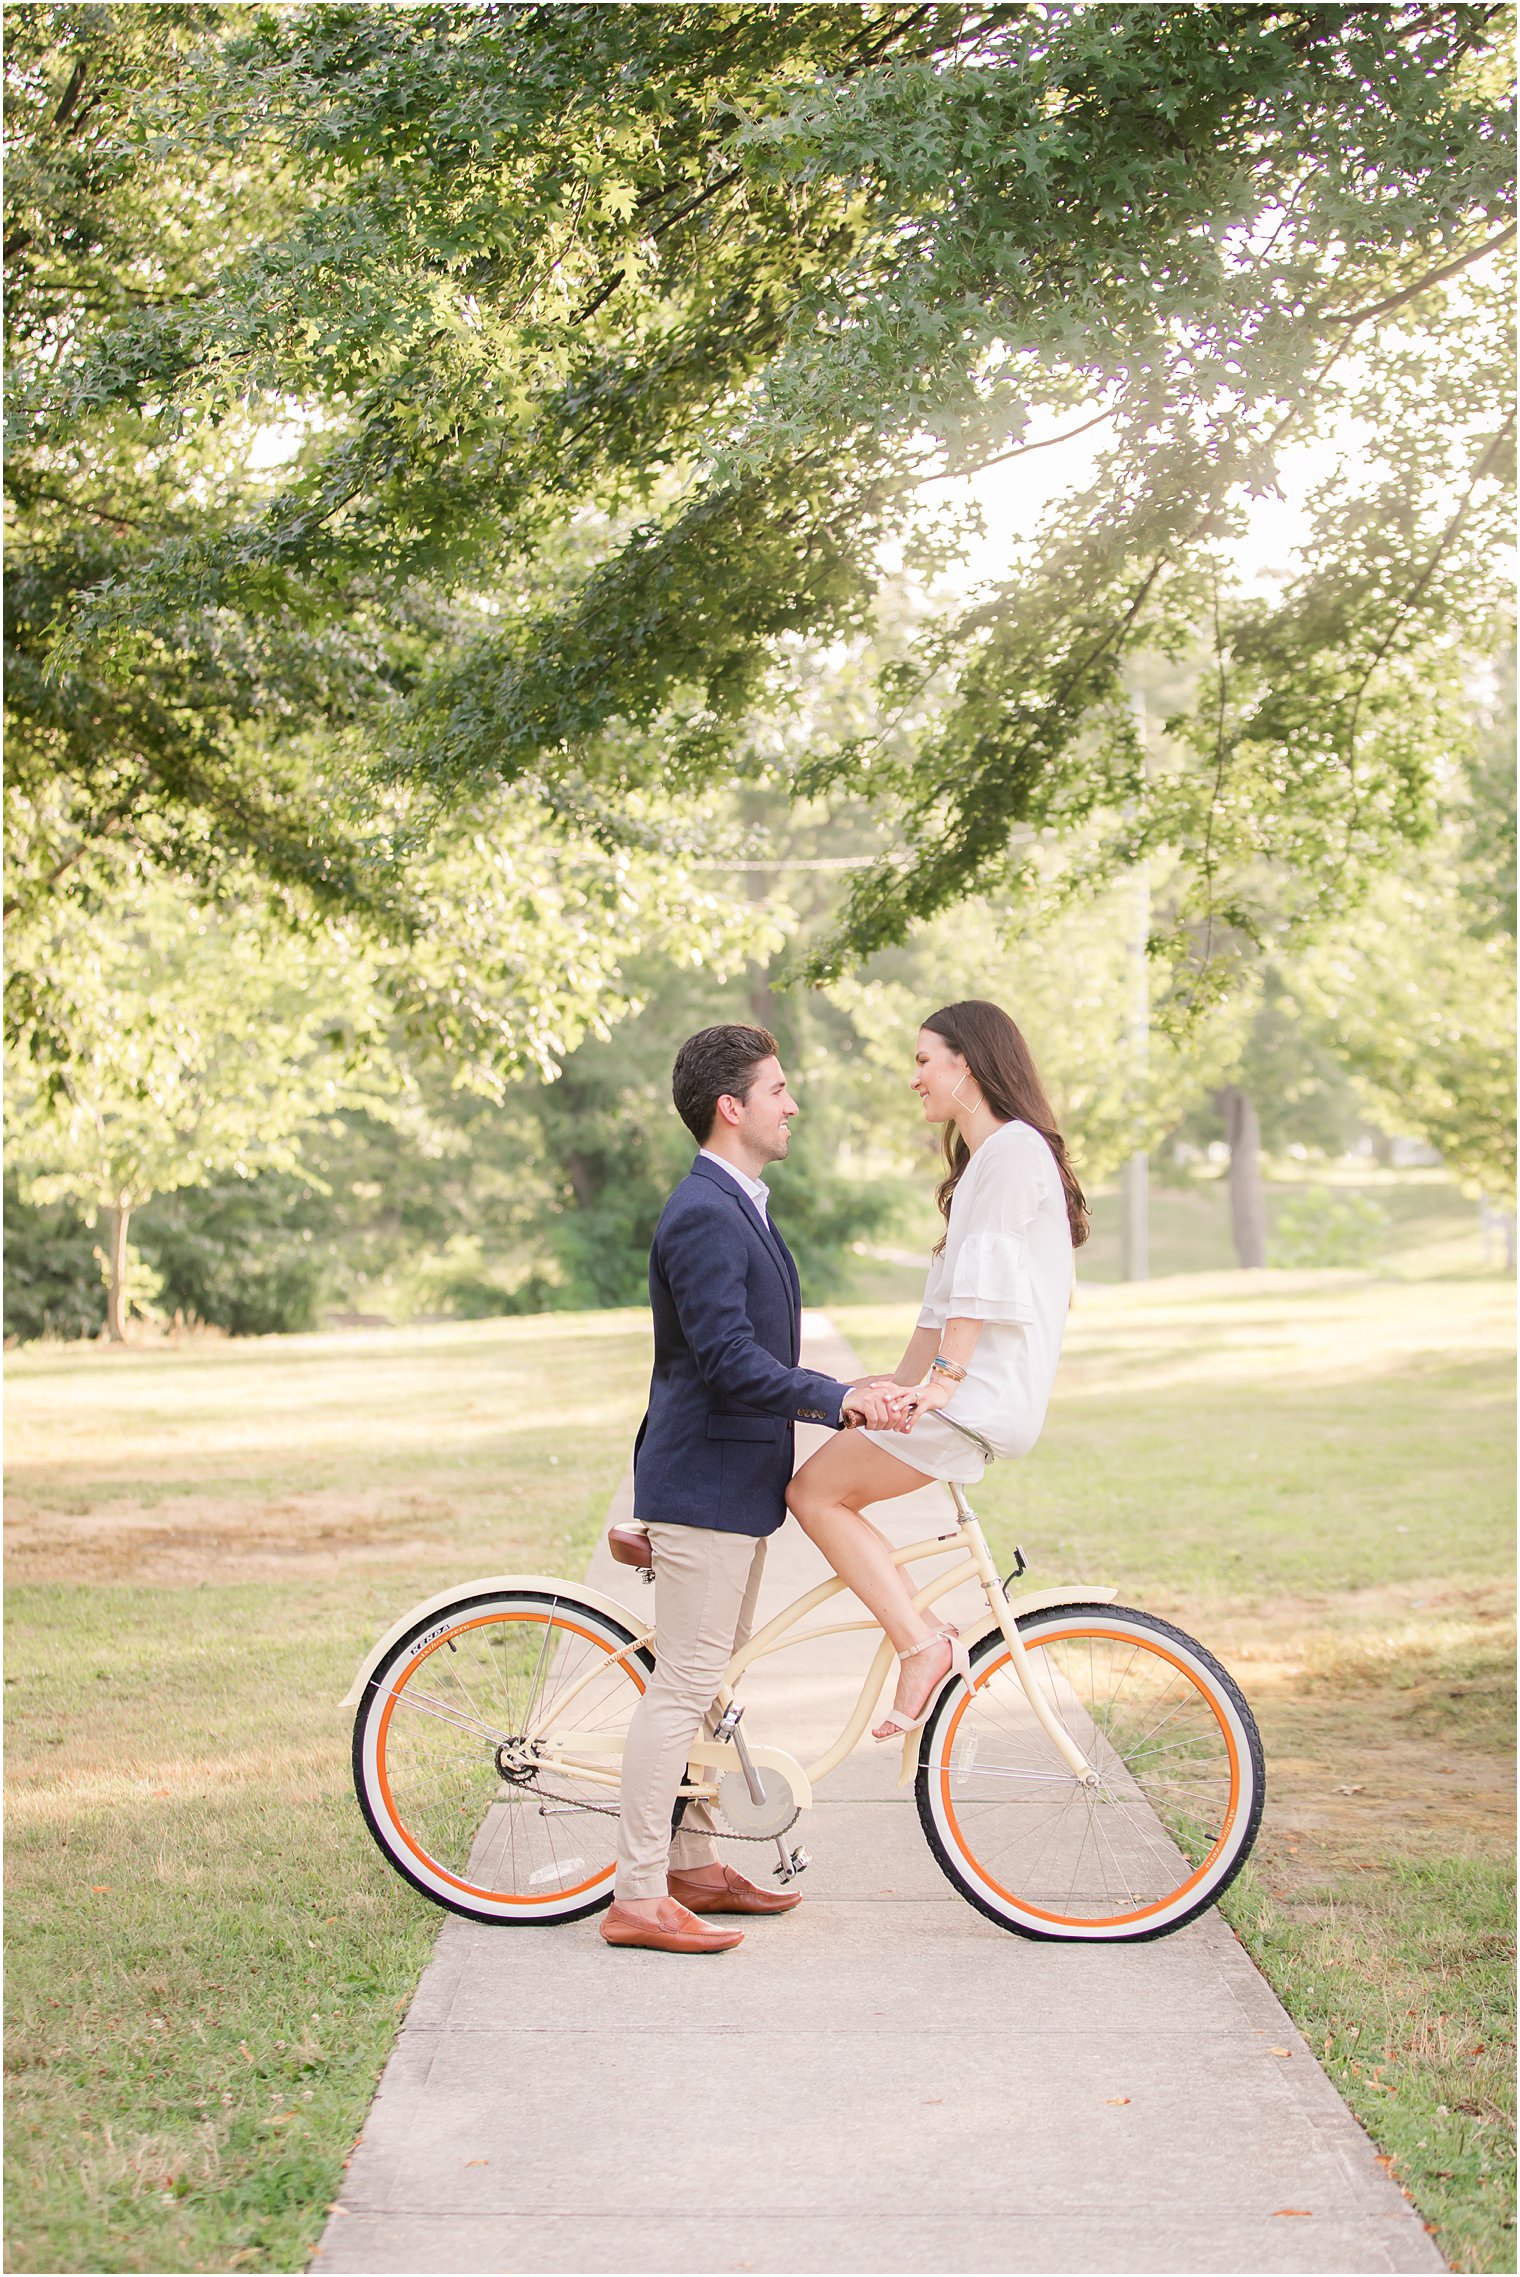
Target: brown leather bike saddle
(630, 1546)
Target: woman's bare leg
(828, 1498)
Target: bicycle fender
(1041, 1600)
(554, 1585)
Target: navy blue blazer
(716, 1446)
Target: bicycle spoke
(426, 1705)
(459, 1794)
(1030, 1836)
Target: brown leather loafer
(739, 1896)
(673, 1931)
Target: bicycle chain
(614, 1810)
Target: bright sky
(1013, 497)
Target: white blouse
(1007, 1261)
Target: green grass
(1401, 1978)
(1432, 1227)
(1232, 1434)
(1314, 1473)
(208, 1957)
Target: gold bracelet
(948, 1368)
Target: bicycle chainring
(757, 1821)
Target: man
(711, 1466)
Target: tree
(1422, 1014)
(1402, 1013)
(100, 225)
(165, 1040)
(199, 1046)
(1486, 810)
(227, 747)
(1287, 1087)
(646, 324)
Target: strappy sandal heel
(897, 1724)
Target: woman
(988, 1338)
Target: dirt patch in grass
(214, 1538)
(1388, 1720)
(240, 1533)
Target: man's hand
(878, 1403)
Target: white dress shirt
(754, 1187)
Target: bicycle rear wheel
(1181, 1780)
(486, 1754)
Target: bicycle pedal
(798, 1863)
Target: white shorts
(936, 1447)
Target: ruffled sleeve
(987, 1253)
(933, 1314)
(991, 1279)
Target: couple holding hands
(713, 1460)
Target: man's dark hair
(714, 1064)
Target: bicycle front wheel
(1180, 1779)
(488, 1750)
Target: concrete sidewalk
(881, 2081)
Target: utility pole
(1134, 1181)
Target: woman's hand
(936, 1390)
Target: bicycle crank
(758, 1800)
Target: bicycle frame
(782, 1630)
(554, 1694)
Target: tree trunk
(1248, 1199)
(1134, 1218)
(584, 1183)
(762, 997)
(116, 1274)
(762, 1000)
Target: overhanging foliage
(613, 340)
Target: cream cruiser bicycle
(1101, 1777)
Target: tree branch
(107, 827)
(70, 93)
(82, 506)
(1022, 450)
(1442, 547)
(1423, 284)
(720, 182)
(120, 289)
(862, 61)
(897, 26)
(591, 306)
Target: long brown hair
(1002, 1066)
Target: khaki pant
(706, 1587)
